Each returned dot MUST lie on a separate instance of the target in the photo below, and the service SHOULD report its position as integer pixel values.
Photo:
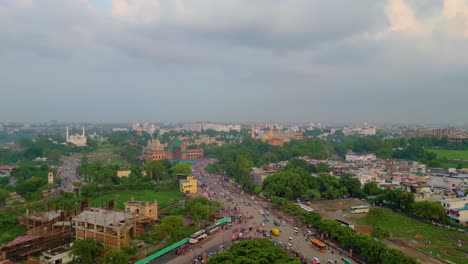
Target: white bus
(197, 236)
(305, 207)
(359, 209)
(345, 223)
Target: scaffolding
(23, 246)
(45, 230)
(113, 229)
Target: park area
(338, 208)
(108, 159)
(448, 154)
(406, 233)
(120, 197)
(438, 241)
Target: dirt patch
(339, 208)
(418, 237)
(455, 252)
(363, 229)
(464, 242)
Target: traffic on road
(252, 217)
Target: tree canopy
(85, 250)
(252, 252)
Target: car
(261, 212)
(315, 260)
(290, 239)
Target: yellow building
(189, 185)
(142, 210)
(123, 173)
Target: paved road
(230, 196)
(68, 172)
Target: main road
(69, 174)
(230, 196)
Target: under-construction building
(144, 212)
(46, 230)
(113, 229)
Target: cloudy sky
(234, 60)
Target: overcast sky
(234, 60)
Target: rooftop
(461, 208)
(103, 217)
(45, 216)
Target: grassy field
(111, 161)
(453, 164)
(121, 197)
(412, 231)
(450, 154)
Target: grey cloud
(199, 60)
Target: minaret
(270, 132)
(67, 135)
(252, 130)
(83, 132)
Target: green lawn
(120, 197)
(450, 154)
(453, 164)
(405, 228)
(111, 161)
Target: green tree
(115, 257)
(171, 226)
(380, 233)
(428, 210)
(3, 196)
(353, 185)
(200, 212)
(201, 208)
(181, 168)
(253, 251)
(155, 169)
(90, 190)
(85, 250)
(300, 163)
(371, 188)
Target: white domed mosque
(77, 139)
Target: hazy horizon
(375, 61)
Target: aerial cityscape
(188, 132)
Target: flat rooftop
(45, 216)
(103, 217)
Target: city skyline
(391, 61)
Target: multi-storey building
(175, 150)
(456, 209)
(143, 210)
(113, 229)
(189, 185)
